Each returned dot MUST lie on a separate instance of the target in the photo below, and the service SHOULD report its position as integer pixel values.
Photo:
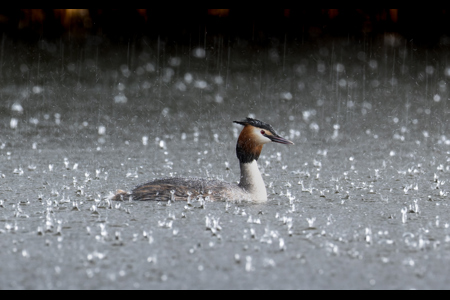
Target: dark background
(423, 26)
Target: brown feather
(247, 147)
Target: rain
(359, 202)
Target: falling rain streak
(359, 202)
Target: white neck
(252, 182)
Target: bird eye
(263, 132)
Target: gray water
(359, 202)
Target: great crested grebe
(251, 185)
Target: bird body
(251, 185)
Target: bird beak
(279, 139)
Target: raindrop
(40, 231)
(286, 96)
(237, 258)
(188, 77)
(145, 140)
(37, 89)
(149, 67)
(121, 86)
(218, 80)
(103, 231)
(180, 86)
(167, 74)
(321, 68)
(218, 98)
(121, 99)
(17, 108)
(24, 68)
(409, 262)
(165, 224)
(140, 71)
(369, 236)
(146, 85)
(18, 171)
(13, 123)
(152, 259)
(174, 61)
(248, 264)
(404, 215)
(75, 206)
(201, 84)
(339, 67)
(165, 112)
(268, 262)
(282, 245)
(57, 118)
(336, 128)
(101, 130)
(94, 210)
(429, 70)
(212, 224)
(273, 55)
(199, 52)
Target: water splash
(212, 224)
(414, 208)
(252, 220)
(404, 212)
(311, 222)
(281, 244)
(369, 237)
(165, 224)
(75, 206)
(336, 128)
(248, 264)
